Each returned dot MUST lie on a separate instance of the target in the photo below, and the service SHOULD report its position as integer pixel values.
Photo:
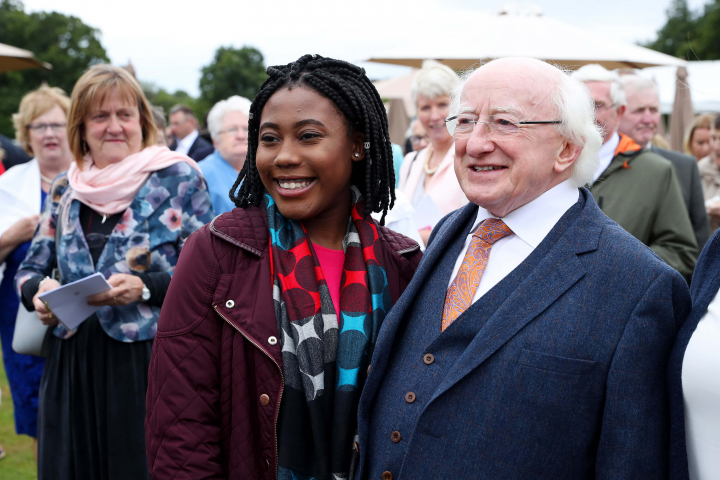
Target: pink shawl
(112, 189)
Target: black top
(97, 234)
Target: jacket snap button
(395, 437)
(230, 304)
(264, 400)
(410, 397)
(272, 340)
(387, 476)
(428, 358)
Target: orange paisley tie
(462, 290)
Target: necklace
(46, 179)
(428, 170)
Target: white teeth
(486, 169)
(295, 185)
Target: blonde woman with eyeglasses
(40, 128)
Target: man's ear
(567, 156)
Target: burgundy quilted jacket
(215, 379)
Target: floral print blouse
(173, 203)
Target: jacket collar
(247, 228)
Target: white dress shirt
(701, 394)
(530, 225)
(183, 146)
(606, 154)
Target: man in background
(633, 186)
(640, 123)
(183, 126)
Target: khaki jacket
(640, 191)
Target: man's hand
(43, 313)
(713, 209)
(126, 289)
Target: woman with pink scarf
(124, 209)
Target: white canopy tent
(703, 79)
(13, 58)
(494, 36)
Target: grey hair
(575, 107)
(433, 80)
(636, 83)
(215, 117)
(597, 73)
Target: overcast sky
(169, 42)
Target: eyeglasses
(419, 138)
(235, 130)
(502, 125)
(603, 106)
(41, 127)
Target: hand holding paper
(69, 302)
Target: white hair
(215, 117)
(575, 107)
(433, 80)
(597, 73)
(636, 83)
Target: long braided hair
(351, 91)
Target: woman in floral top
(124, 209)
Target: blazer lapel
(386, 337)
(558, 270)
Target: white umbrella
(398, 87)
(13, 58)
(464, 41)
(702, 81)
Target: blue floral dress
(23, 371)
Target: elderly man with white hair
(640, 122)
(533, 339)
(228, 125)
(636, 187)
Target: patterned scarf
(325, 354)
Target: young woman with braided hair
(268, 328)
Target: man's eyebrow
(504, 109)
(466, 109)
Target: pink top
(331, 263)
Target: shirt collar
(606, 155)
(534, 220)
(189, 140)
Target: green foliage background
(65, 42)
(688, 34)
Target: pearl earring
(356, 155)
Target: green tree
(161, 97)
(232, 72)
(707, 46)
(690, 35)
(65, 42)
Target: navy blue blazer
(565, 379)
(705, 285)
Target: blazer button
(410, 397)
(272, 341)
(357, 447)
(428, 358)
(387, 476)
(395, 437)
(264, 399)
(230, 304)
